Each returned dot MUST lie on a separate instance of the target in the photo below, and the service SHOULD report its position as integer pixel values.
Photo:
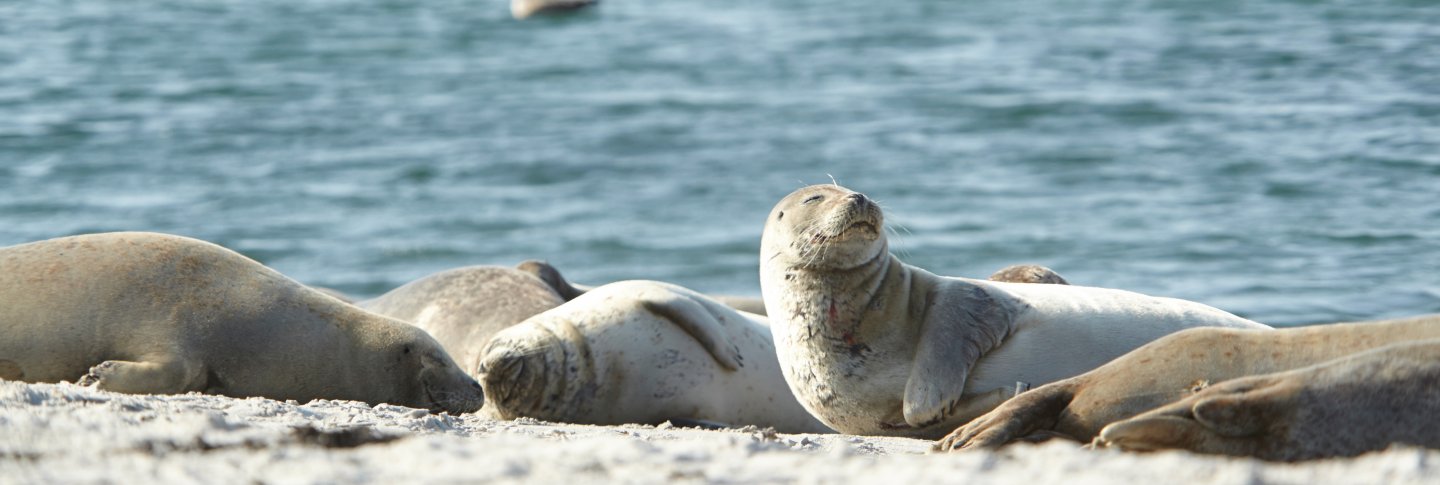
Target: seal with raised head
(1170, 369)
(1344, 407)
(463, 307)
(871, 345)
(641, 352)
(154, 313)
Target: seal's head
(521, 9)
(824, 227)
(541, 368)
(431, 378)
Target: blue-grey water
(1278, 159)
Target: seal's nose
(858, 198)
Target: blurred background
(1277, 159)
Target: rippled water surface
(1277, 159)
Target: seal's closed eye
(813, 199)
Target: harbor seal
(873, 346)
(1028, 273)
(641, 352)
(570, 291)
(1171, 368)
(154, 313)
(521, 9)
(463, 307)
(1363, 402)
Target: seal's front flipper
(959, 327)
(10, 371)
(167, 377)
(704, 325)
(1032, 412)
(1223, 418)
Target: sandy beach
(67, 434)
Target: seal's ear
(701, 322)
(959, 327)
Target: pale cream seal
(871, 345)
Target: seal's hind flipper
(1028, 273)
(170, 377)
(700, 322)
(552, 277)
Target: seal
(1172, 368)
(641, 352)
(1028, 273)
(1363, 402)
(521, 9)
(155, 313)
(569, 291)
(873, 346)
(463, 307)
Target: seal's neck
(835, 302)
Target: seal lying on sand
(641, 352)
(648, 352)
(154, 313)
(463, 307)
(569, 291)
(1170, 369)
(871, 345)
(1355, 404)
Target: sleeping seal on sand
(154, 313)
(1173, 368)
(641, 352)
(463, 307)
(1359, 403)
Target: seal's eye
(813, 198)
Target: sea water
(1277, 159)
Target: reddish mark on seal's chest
(848, 336)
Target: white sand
(66, 434)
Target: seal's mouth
(865, 227)
(457, 403)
